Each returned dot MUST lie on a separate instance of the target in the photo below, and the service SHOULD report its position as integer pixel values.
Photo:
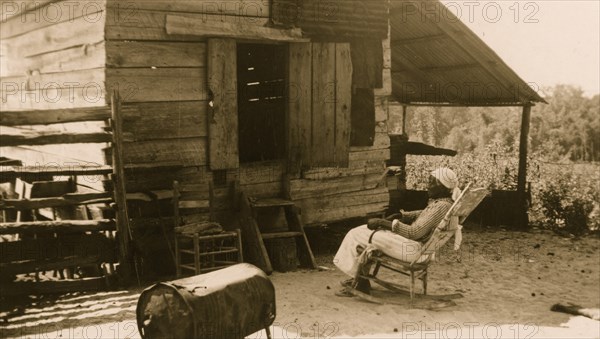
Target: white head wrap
(448, 178)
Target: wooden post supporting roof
(521, 217)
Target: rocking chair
(417, 269)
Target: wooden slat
(194, 204)
(53, 287)
(65, 226)
(347, 199)
(223, 118)
(182, 152)
(181, 25)
(166, 120)
(300, 105)
(271, 202)
(155, 54)
(161, 84)
(7, 172)
(343, 103)
(45, 248)
(151, 223)
(323, 103)
(254, 247)
(355, 168)
(246, 9)
(53, 138)
(130, 23)
(71, 200)
(370, 155)
(225, 251)
(302, 188)
(47, 117)
(278, 235)
(320, 216)
(305, 254)
(261, 172)
(120, 192)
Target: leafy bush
(565, 196)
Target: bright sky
(547, 42)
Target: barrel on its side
(230, 303)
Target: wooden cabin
(268, 98)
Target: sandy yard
(509, 281)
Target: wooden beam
(182, 25)
(53, 138)
(404, 114)
(124, 232)
(70, 200)
(66, 226)
(449, 67)
(522, 175)
(410, 67)
(427, 38)
(54, 116)
(451, 104)
(10, 172)
(223, 112)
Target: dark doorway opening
(261, 101)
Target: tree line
(567, 128)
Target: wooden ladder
(255, 235)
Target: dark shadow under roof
(438, 60)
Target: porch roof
(438, 60)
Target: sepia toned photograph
(306, 169)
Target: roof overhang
(437, 60)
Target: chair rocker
(418, 269)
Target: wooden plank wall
(164, 77)
(162, 80)
(333, 194)
(52, 54)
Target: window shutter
(320, 101)
(299, 106)
(222, 110)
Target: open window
(261, 75)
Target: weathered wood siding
(52, 54)
(164, 80)
(337, 193)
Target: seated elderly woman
(403, 237)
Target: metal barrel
(230, 303)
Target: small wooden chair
(417, 269)
(201, 245)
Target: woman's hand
(376, 224)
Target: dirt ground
(509, 281)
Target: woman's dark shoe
(364, 286)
